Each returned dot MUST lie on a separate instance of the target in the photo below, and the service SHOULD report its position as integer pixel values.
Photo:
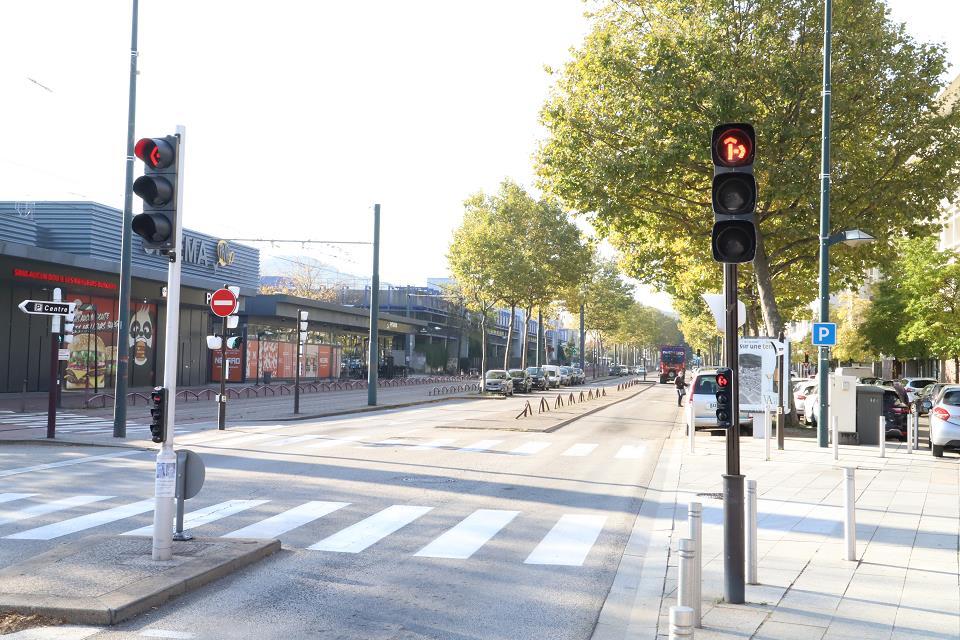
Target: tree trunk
(506, 353)
(956, 368)
(768, 303)
(523, 336)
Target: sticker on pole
(166, 481)
(824, 334)
(223, 302)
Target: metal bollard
(691, 426)
(910, 422)
(767, 426)
(695, 525)
(836, 437)
(751, 532)
(850, 513)
(681, 623)
(883, 437)
(687, 553)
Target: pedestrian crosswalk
(563, 539)
(66, 422)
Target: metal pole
(222, 400)
(685, 574)
(373, 356)
(681, 623)
(296, 375)
(850, 513)
(166, 458)
(783, 382)
(583, 336)
(123, 330)
(540, 338)
(691, 424)
(258, 359)
(883, 437)
(836, 437)
(752, 532)
(695, 525)
(733, 562)
(767, 426)
(53, 381)
(823, 415)
(910, 420)
(96, 355)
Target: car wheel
(937, 451)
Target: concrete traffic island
(103, 580)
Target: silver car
(703, 396)
(945, 421)
(498, 381)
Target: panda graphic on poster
(141, 340)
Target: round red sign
(223, 302)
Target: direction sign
(824, 334)
(46, 308)
(223, 302)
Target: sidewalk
(904, 584)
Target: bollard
(883, 437)
(691, 427)
(751, 532)
(767, 426)
(687, 553)
(910, 422)
(681, 623)
(850, 513)
(836, 437)
(695, 526)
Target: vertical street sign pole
(222, 403)
(54, 380)
(165, 484)
(296, 378)
(373, 355)
(781, 384)
(823, 414)
(583, 337)
(733, 511)
(123, 330)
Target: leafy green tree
(850, 313)
(630, 117)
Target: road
(395, 525)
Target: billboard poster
(759, 384)
(233, 365)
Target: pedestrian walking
(681, 382)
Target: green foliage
(645, 327)
(435, 354)
(850, 313)
(630, 118)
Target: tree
(850, 313)
(604, 296)
(304, 279)
(630, 117)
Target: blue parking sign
(824, 334)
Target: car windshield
(920, 384)
(672, 358)
(517, 373)
(705, 385)
(535, 371)
(951, 398)
(550, 373)
(496, 375)
(564, 370)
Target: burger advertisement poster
(93, 353)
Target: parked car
(538, 379)
(703, 396)
(913, 385)
(498, 381)
(927, 397)
(522, 382)
(801, 394)
(577, 377)
(642, 372)
(945, 421)
(552, 372)
(566, 376)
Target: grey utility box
(869, 410)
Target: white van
(552, 372)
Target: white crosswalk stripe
(82, 523)
(631, 452)
(365, 533)
(66, 422)
(465, 539)
(287, 520)
(529, 448)
(285, 442)
(580, 450)
(433, 444)
(10, 497)
(332, 442)
(65, 632)
(206, 515)
(482, 445)
(569, 542)
(67, 463)
(45, 508)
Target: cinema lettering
(203, 252)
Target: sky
(301, 115)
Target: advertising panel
(759, 375)
(233, 365)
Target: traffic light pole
(166, 472)
(823, 366)
(222, 400)
(126, 244)
(373, 355)
(583, 337)
(733, 512)
(54, 381)
(296, 375)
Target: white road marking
(483, 445)
(206, 515)
(288, 520)
(332, 442)
(569, 541)
(631, 452)
(369, 531)
(433, 444)
(48, 507)
(529, 448)
(165, 633)
(82, 523)
(54, 633)
(390, 442)
(235, 440)
(10, 497)
(580, 449)
(293, 440)
(67, 463)
(466, 538)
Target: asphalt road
(395, 525)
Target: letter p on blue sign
(824, 334)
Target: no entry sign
(223, 302)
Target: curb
(569, 421)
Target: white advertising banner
(759, 384)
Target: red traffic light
(722, 380)
(733, 145)
(155, 152)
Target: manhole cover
(717, 496)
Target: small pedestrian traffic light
(158, 413)
(234, 342)
(157, 187)
(734, 193)
(724, 395)
(67, 337)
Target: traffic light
(734, 237)
(157, 186)
(67, 337)
(724, 398)
(234, 342)
(302, 325)
(158, 411)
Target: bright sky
(414, 105)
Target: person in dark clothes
(681, 383)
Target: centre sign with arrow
(47, 308)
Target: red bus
(673, 362)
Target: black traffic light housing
(734, 193)
(158, 413)
(157, 225)
(724, 398)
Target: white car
(703, 396)
(913, 385)
(802, 393)
(945, 421)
